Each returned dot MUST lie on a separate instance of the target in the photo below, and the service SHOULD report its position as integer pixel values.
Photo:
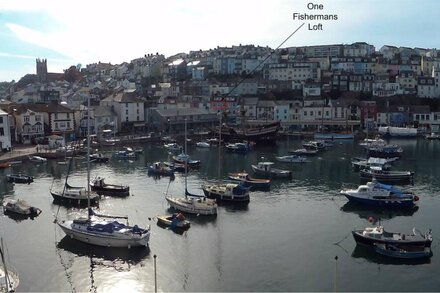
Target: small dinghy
(173, 221)
(405, 252)
(247, 181)
(265, 169)
(37, 159)
(98, 158)
(160, 169)
(291, 159)
(20, 207)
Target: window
(37, 118)
(311, 113)
(137, 118)
(126, 112)
(417, 116)
(319, 113)
(1, 119)
(285, 111)
(305, 113)
(326, 113)
(26, 118)
(137, 111)
(56, 115)
(68, 115)
(68, 124)
(56, 125)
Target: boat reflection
(132, 256)
(365, 212)
(370, 255)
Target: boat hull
(392, 204)
(369, 241)
(123, 191)
(19, 179)
(59, 198)
(182, 206)
(397, 252)
(106, 240)
(226, 198)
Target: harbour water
(283, 240)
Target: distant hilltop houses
(321, 87)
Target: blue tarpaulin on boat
(109, 227)
(390, 188)
(240, 189)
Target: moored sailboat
(103, 230)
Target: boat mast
(219, 147)
(88, 158)
(186, 163)
(4, 266)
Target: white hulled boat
(192, 204)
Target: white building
(29, 125)
(128, 107)
(5, 131)
(294, 71)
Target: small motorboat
(173, 221)
(37, 159)
(182, 158)
(433, 136)
(314, 145)
(239, 147)
(384, 151)
(386, 176)
(175, 166)
(247, 181)
(20, 207)
(203, 144)
(405, 252)
(124, 154)
(265, 169)
(173, 147)
(98, 158)
(304, 152)
(291, 159)
(99, 186)
(160, 169)
(227, 193)
(19, 178)
(371, 235)
(381, 195)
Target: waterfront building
(29, 125)
(407, 82)
(129, 108)
(358, 49)
(426, 87)
(5, 135)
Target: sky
(88, 31)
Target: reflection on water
(365, 212)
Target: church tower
(42, 69)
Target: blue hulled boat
(408, 252)
(381, 195)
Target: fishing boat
(362, 163)
(37, 159)
(265, 169)
(9, 279)
(160, 169)
(381, 195)
(19, 178)
(103, 230)
(227, 192)
(372, 142)
(192, 203)
(384, 151)
(20, 207)
(291, 159)
(98, 158)
(386, 176)
(203, 144)
(238, 147)
(173, 221)
(99, 186)
(371, 235)
(304, 152)
(247, 181)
